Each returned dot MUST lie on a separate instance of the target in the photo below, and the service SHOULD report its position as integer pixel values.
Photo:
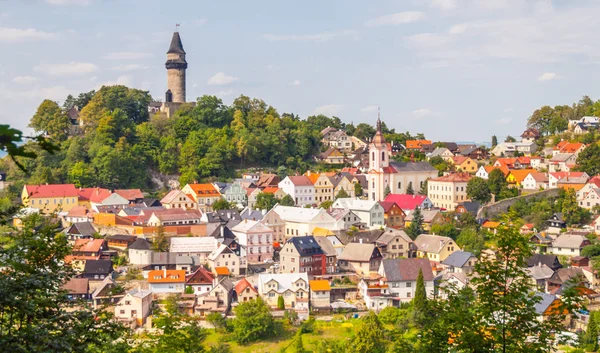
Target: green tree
(419, 303)
(326, 204)
(409, 189)
(496, 181)
(494, 141)
(220, 348)
(588, 160)
(369, 337)
(590, 339)
(298, 344)
(253, 321)
(424, 187)
(389, 315)
(510, 139)
(80, 102)
(51, 120)
(36, 314)
(217, 320)
(358, 190)
(470, 240)
(222, 204)
(342, 194)
(280, 303)
(287, 200)
(160, 243)
(265, 201)
(478, 190)
(416, 225)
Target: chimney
(360, 241)
(222, 232)
(165, 272)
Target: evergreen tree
(494, 141)
(265, 201)
(358, 190)
(369, 337)
(419, 303)
(287, 200)
(590, 339)
(386, 191)
(342, 195)
(280, 303)
(409, 189)
(416, 225)
(423, 190)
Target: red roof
(93, 194)
(201, 276)
(130, 194)
(387, 205)
(406, 202)
(79, 211)
(454, 178)
(51, 190)
(560, 175)
(242, 285)
(300, 180)
(88, 245)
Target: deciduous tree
(253, 321)
(478, 190)
(369, 337)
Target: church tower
(379, 162)
(176, 66)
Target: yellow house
(50, 198)
(342, 182)
(464, 164)
(434, 247)
(324, 188)
(517, 176)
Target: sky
(455, 70)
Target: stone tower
(176, 66)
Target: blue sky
(452, 69)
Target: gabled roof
(570, 241)
(51, 190)
(355, 204)
(397, 270)
(201, 276)
(140, 244)
(139, 293)
(521, 174)
(173, 195)
(390, 233)
(458, 258)
(241, 286)
(247, 226)
(166, 276)
(411, 167)
(285, 281)
(319, 285)
(82, 228)
(432, 243)
(96, 195)
(560, 175)
(79, 211)
(301, 214)
(306, 246)
(461, 177)
(130, 194)
(470, 206)
(204, 189)
(77, 286)
(545, 303)
(101, 290)
(540, 272)
(416, 144)
(326, 246)
(300, 180)
(428, 215)
(358, 252)
(405, 201)
(100, 267)
(539, 177)
(218, 251)
(88, 245)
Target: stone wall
(495, 209)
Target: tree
(494, 141)
(298, 344)
(590, 339)
(478, 190)
(588, 160)
(419, 303)
(496, 181)
(280, 303)
(326, 204)
(160, 242)
(287, 200)
(424, 187)
(358, 190)
(36, 314)
(389, 315)
(409, 189)
(470, 240)
(222, 204)
(369, 336)
(220, 348)
(253, 321)
(265, 201)
(342, 194)
(572, 213)
(51, 120)
(217, 320)
(416, 225)
(510, 139)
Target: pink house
(257, 238)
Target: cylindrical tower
(176, 66)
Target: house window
(408, 284)
(408, 295)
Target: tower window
(373, 156)
(383, 156)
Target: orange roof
(490, 224)
(560, 145)
(458, 160)
(204, 189)
(454, 177)
(88, 245)
(51, 190)
(242, 285)
(416, 144)
(571, 147)
(79, 211)
(271, 189)
(319, 285)
(312, 176)
(528, 226)
(166, 276)
(222, 271)
(130, 194)
(521, 174)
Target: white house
(178, 199)
(569, 244)
(562, 162)
(135, 305)
(401, 275)
(166, 281)
(590, 199)
(535, 181)
(370, 212)
(193, 246)
(300, 188)
(293, 287)
(257, 238)
(140, 252)
(554, 177)
(299, 221)
(224, 257)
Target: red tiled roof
(93, 194)
(130, 194)
(406, 202)
(172, 276)
(88, 245)
(51, 190)
(204, 189)
(79, 211)
(201, 276)
(300, 180)
(454, 177)
(387, 205)
(560, 175)
(242, 285)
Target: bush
(217, 320)
(308, 326)
(389, 315)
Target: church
(398, 176)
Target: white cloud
(329, 109)
(221, 79)
(422, 112)
(458, 29)
(127, 55)
(8, 34)
(24, 79)
(396, 19)
(93, 78)
(547, 76)
(72, 68)
(369, 109)
(224, 93)
(129, 67)
(318, 37)
(69, 2)
(125, 80)
(296, 83)
(444, 4)
(53, 93)
(503, 121)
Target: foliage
(494, 141)
(424, 187)
(590, 339)
(446, 229)
(409, 189)
(290, 316)
(342, 194)
(419, 303)
(160, 243)
(36, 314)
(496, 182)
(416, 225)
(51, 120)
(440, 164)
(217, 320)
(265, 201)
(369, 337)
(11, 143)
(478, 190)
(287, 200)
(222, 204)
(358, 189)
(220, 348)
(550, 120)
(298, 344)
(188, 290)
(510, 139)
(572, 213)
(80, 102)
(390, 315)
(326, 204)
(471, 240)
(280, 303)
(588, 160)
(253, 321)
(591, 250)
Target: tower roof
(176, 46)
(378, 139)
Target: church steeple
(378, 120)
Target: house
(547, 307)
(566, 147)
(320, 294)
(134, 306)
(569, 244)
(120, 241)
(540, 274)
(530, 135)
(293, 287)
(299, 188)
(571, 182)
(94, 198)
(556, 223)
(484, 171)
(554, 178)
(107, 293)
(370, 212)
(562, 162)
(224, 257)
(441, 152)
(536, 181)
(416, 144)
(330, 251)
(392, 214)
(460, 261)
(360, 258)
(337, 138)
(50, 198)
(302, 255)
(178, 199)
(201, 281)
(83, 230)
(517, 176)
(267, 180)
(203, 194)
(89, 247)
(394, 243)
(434, 247)
(565, 275)
(447, 191)
(542, 241)
(193, 246)
(218, 300)
(401, 276)
(298, 221)
(464, 164)
(345, 218)
(527, 228)
(140, 252)
(257, 238)
(174, 217)
(244, 291)
(235, 193)
(332, 156)
(347, 183)
(324, 187)
(166, 281)
(77, 289)
(97, 270)
(131, 195)
(409, 202)
(471, 207)
(79, 214)
(549, 260)
(171, 261)
(430, 217)
(476, 153)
